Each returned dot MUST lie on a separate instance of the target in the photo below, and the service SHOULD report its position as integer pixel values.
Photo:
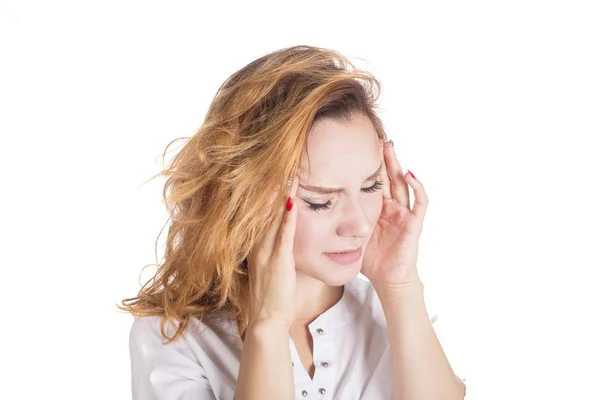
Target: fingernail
(393, 148)
(290, 203)
(411, 174)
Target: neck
(313, 298)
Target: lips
(346, 257)
(343, 252)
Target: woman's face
(347, 157)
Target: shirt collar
(341, 313)
(335, 318)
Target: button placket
(323, 374)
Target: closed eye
(325, 206)
(376, 186)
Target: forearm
(265, 365)
(420, 369)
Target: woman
(286, 193)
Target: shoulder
(160, 370)
(200, 341)
(144, 326)
(151, 351)
(150, 331)
(147, 342)
(145, 330)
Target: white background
(494, 106)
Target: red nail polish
(411, 174)
(290, 203)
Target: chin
(333, 274)
(341, 279)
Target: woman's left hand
(391, 253)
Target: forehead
(339, 148)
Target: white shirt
(350, 351)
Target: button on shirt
(350, 351)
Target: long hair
(220, 182)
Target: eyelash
(327, 205)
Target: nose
(354, 221)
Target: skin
(339, 156)
(292, 259)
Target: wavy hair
(220, 182)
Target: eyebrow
(324, 190)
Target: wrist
(397, 297)
(267, 326)
(385, 288)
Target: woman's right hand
(271, 268)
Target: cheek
(373, 208)
(311, 232)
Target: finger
(398, 186)
(266, 244)
(421, 199)
(287, 229)
(384, 178)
